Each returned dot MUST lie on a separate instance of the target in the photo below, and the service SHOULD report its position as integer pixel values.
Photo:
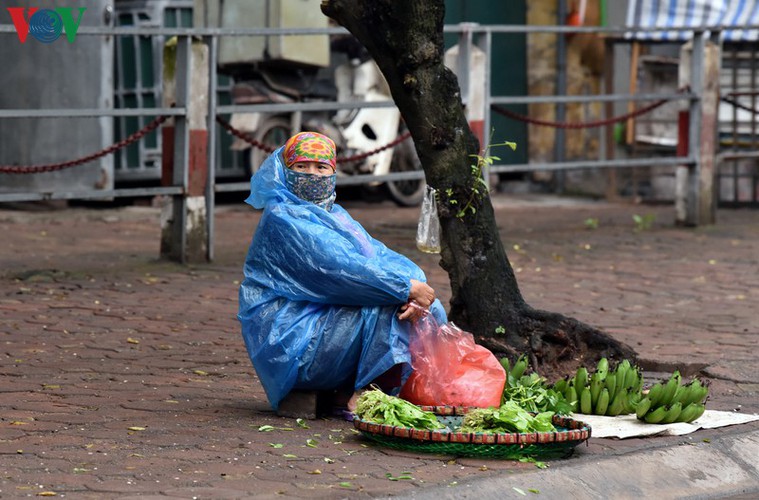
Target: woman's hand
(421, 293)
(411, 311)
(420, 298)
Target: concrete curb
(725, 467)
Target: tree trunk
(405, 38)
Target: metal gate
(137, 84)
(47, 75)
(738, 176)
(739, 130)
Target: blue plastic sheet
(318, 306)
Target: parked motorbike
(356, 132)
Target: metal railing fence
(469, 35)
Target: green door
(508, 71)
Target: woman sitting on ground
(323, 306)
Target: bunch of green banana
(562, 387)
(514, 373)
(604, 392)
(670, 401)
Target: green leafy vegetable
(378, 407)
(510, 417)
(532, 460)
(532, 393)
(403, 476)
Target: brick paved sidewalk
(123, 375)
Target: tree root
(556, 344)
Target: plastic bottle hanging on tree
(428, 231)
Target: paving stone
(655, 290)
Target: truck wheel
(408, 192)
(274, 131)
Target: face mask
(318, 189)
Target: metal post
(561, 89)
(485, 43)
(463, 62)
(211, 42)
(606, 140)
(296, 122)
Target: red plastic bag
(450, 369)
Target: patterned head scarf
(309, 146)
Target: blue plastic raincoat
(319, 302)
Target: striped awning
(693, 13)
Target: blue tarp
(319, 302)
(693, 13)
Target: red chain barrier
(264, 147)
(13, 169)
(739, 105)
(242, 135)
(591, 124)
(362, 156)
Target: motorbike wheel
(274, 131)
(410, 192)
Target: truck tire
(409, 192)
(274, 131)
